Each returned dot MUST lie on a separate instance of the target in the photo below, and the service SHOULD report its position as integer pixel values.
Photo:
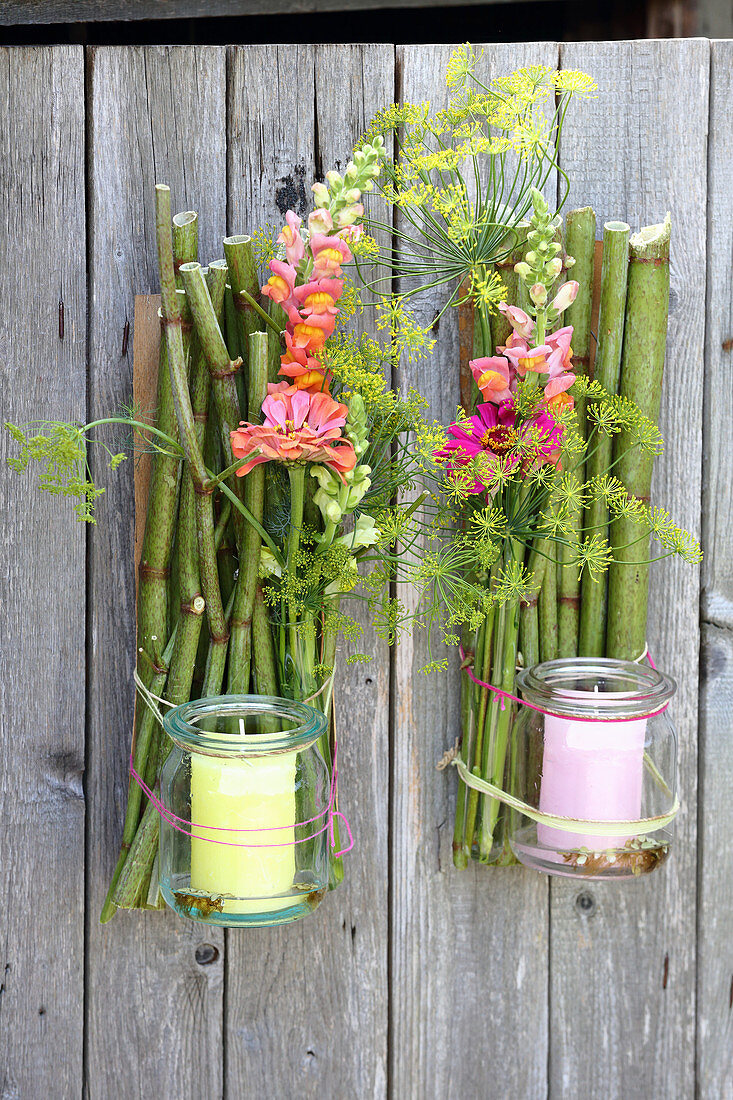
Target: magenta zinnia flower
(493, 433)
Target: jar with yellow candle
(245, 811)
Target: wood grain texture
(42, 587)
(326, 1026)
(618, 1029)
(715, 944)
(68, 11)
(157, 114)
(468, 948)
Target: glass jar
(606, 788)
(246, 811)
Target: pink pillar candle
(593, 771)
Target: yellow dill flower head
(462, 64)
(576, 82)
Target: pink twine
(523, 703)
(179, 823)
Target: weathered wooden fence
(412, 980)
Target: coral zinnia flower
(298, 427)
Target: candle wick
(242, 730)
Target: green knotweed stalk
(548, 613)
(492, 628)
(160, 519)
(264, 668)
(529, 626)
(187, 430)
(240, 258)
(185, 241)
(240, 648)
(580, 242)
(642, 367)
(500, 715)
(614, 273)
(143, 742)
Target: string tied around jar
(327, 815)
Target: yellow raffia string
(568, 824)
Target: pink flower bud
(538, 293)
(565, 296)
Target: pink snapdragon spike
(559, 362)
(565, 296)
(520, 321)
(304, 371)
(298, 427)
(311, 332)
(493, 378)
(525, 358)
(319, 296)
(291, 238)
(281, 285)
(329, 253)
(320, 221)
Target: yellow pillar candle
(253, 793)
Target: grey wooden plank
(715, 947)
(622, 967)
(469, 948)
(309, 1002)
(154, 1015)
(42, 582)
(68, 11)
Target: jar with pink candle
(592, 772)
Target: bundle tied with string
(640, 827)
(330, 812)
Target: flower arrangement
(542, 482)
(277, 451)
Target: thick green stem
(548, 613)
(500, 715)
(249, 559)
(143, 743)
(642, 367)
(580, 243)
(240, 258)
(187, 426)
(614, 274)
(529, 626)
(263, 665)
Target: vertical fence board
(157, 115)
(469, 948)
(715, 944)
(309, 1002)
(41, 578)
(622, 967)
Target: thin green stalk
(614, 274)
(580, 243)
(296, 474)
(642, 367)
(139, 860)
(493, 630)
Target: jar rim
(306, 725)
(627, 688)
